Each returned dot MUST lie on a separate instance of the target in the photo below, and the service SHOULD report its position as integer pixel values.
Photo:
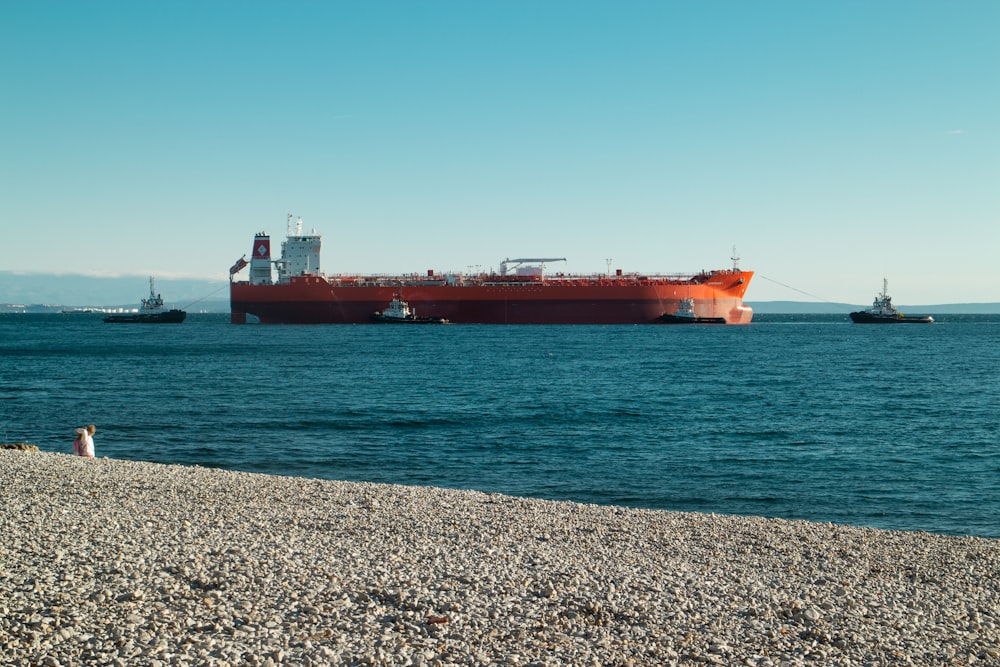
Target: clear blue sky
(833, 143)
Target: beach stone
(19, 446)
(176, 565)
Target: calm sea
(807, 417)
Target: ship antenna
(288, 225)
(736, 260)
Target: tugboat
(685, 315)
(883, 312)
(151, 311)
(399, 312)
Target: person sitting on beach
(84, 443)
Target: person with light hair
(84, 443)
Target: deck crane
(522, 260)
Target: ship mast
(297, 229)
(736, 261)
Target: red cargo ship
(520, 293)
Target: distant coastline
(759, 308)
(45, 293)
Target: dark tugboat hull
(169, 317)
(867, 318)
(673, 319)
(408, 320)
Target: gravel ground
(115, 562)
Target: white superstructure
(299, 256)
(299, 253)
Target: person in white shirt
(84, 443)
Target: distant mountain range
(53, 293)
(56, 292)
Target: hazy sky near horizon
(833, 143)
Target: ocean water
(806, 417)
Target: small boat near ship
(685, 315)
(399, 312)
(883, 312)
(151, 311)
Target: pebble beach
(113, 562)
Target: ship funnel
(260, 263)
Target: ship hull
(316, 300)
